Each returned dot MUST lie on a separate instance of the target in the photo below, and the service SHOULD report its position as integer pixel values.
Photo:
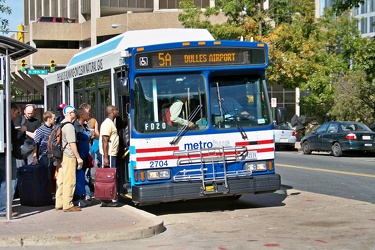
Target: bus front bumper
(175, 191)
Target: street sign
(273, 102)
(37, 71)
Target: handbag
(28, 146)
(90, 161)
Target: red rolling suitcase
(105, 186)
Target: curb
(147, 226)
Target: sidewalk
(46, 226)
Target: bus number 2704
(158, 164)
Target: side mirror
(281, 114)
(123, 86)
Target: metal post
(8, 158)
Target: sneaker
(73, 209)
(14, 214)
(88, 200)
(58, 208)
(82, 203)
(112, 204)
(103, 204)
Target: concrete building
(83, 23)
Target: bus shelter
(9, 49)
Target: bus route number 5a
(158, 164)
(165, 59)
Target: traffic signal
(23, 64)
(52, 66)
(20, 35)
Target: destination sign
(199, 57)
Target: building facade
(79, 24)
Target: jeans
(112, 160)
(3, 189)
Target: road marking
(326, 170)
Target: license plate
(366, 137)
(368, 144)
(283, 140)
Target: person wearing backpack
(66, 178)
(41, 138)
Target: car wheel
(336, 149)
(306, 148)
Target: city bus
(226, 146)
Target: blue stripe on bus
(100, 49)
(132, 164)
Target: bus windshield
(155, 95)
(238, 101)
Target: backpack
(54, 146)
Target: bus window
(153, 93)
(242, 101)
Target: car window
(333, 128)
(284, 126)
(354, 127)
(323, 128)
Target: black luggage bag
(33, 186)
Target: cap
(68, 109)
(61, 106)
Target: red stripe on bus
(247, 143)
(151, 150)
(171, 157)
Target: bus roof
(136, 38)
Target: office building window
(372, 23)
(364, 26)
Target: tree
(4, 23)
(326, 58)
(340, 6)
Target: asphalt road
(351, 177)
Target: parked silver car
(285, 136)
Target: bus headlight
(160, 174)
(255, 166)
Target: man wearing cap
(60, 109)
(66, 178)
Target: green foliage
(4, 23)
(340, 6)
(326, 58)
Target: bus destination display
(200, 57)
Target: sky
(16, 18)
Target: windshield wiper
(185, 128)
(222, 106)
